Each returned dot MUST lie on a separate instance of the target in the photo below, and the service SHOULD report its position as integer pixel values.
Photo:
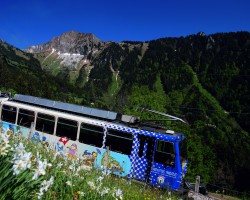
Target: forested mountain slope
(202, 79)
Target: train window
(25, 117)
(142, 140)
(120, 142)
(92, 135)
(145, 148)
(165, 153)
(67, 128)
(45, 123)
(183, 150)
(9, 114)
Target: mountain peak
(69, 42)
(74, 34)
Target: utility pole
(197, 185)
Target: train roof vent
(66, 106)
(129, 119)
(170, 132)
(5, 94)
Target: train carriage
(102, 139)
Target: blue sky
(30, 22)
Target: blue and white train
(148, 154)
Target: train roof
(145, 128)
(109, 115)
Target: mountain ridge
(67, 43)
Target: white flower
(97, 188)
(4, 139)
(27, 159)
(5, 142)
(85, 167)
(40, 194)
(45, 186)
(77, 174)
(69, 183)
(51, 180)
(82, 194)
(37, 173)
(18, 166)
(100, 178)
(118, 193)
(106, 172)
(20, 149)
(40, 169)
(59, 165)
(72, 167)
(4, 150)
(49, 165)
(104, 191)
(91, 184)
(78, 169)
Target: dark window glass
(142, 139)
(45, 123)
(165, 153)
(9, 114)
(146, 146)
(25, 117)
(183, 150)
(92, 135)
(165, 147)
(66, 128)
(120, 142)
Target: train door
(144, 159)
(163, 171)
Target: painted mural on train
(116, 163)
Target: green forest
(203, 79)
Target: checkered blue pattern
(137, 131)
(139, 169)
(133, 156)
(139, 164)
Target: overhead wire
(213, 110)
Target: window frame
(164, 157)
(26, 116)
(91, 131)
(45, 119)
(68, 135)
(3, 110)
(121, 144)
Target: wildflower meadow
(33, 170)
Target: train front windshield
(183, 152)
(165, 153)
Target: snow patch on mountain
(70, 60)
